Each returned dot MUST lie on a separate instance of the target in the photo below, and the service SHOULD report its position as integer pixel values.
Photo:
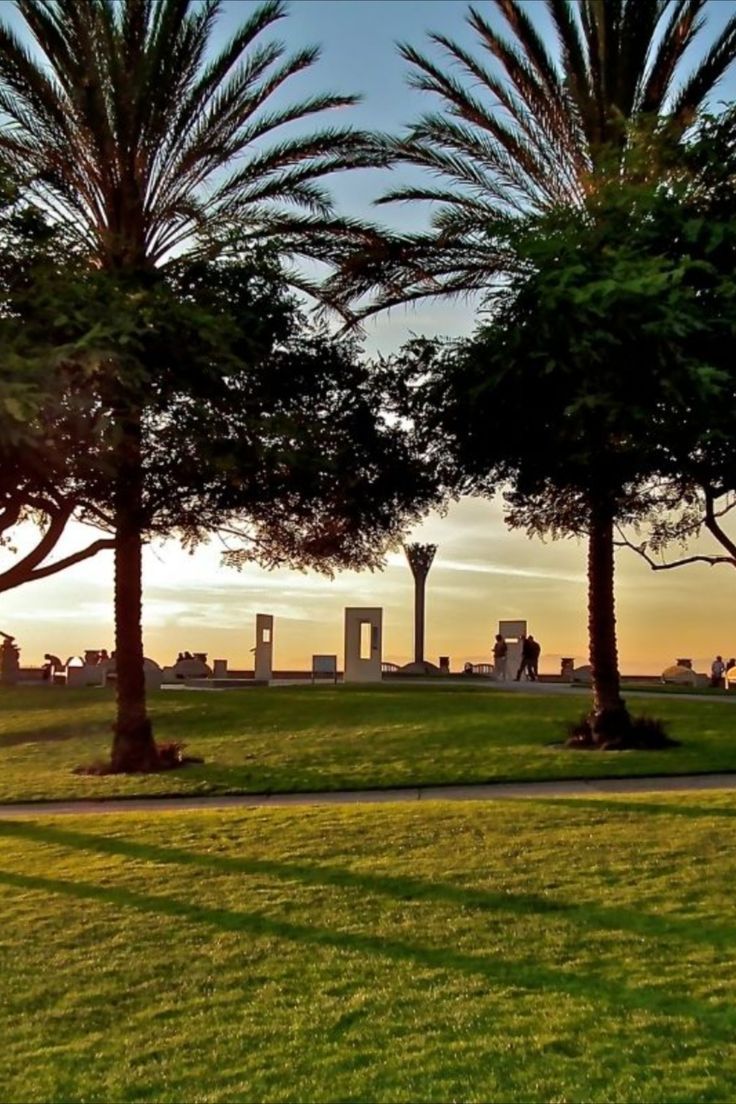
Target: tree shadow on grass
(585, 914)
(55, 735)
(272, 713)
(531, 975)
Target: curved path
(474, 792)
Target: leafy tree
(255, 424)
(44, 418)
(148, 151)
(568, 395)
(524, 130)
(696, 491)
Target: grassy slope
(304, 738)
(577, 950)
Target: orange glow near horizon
(482, 574)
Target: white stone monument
(679, 675)
(363, 644)
(512, 632)
(264, 647)
(153, 674)
(78, 673)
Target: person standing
(534, 649)
(500, 656)
(524, 664)
(717, 671)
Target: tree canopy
(552, 100)
(156, 151)
(594, 363)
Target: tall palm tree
(126, 128)
(549, 106)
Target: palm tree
(548, 108)
(125, 130)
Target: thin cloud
(505, 569)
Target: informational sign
(324, 665)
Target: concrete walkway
(478, 792)
(566, 689)
(508, 686)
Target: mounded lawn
(567, 950)
(329, 738)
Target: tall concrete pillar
(264, 647)
(363, 644)
(420, 557)
(512, 632)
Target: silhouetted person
(532, 664)
(524, 665)
(717, 671)
(51, 661)
(500, 654)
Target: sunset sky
(482, 572)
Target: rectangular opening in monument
(266, 636)
(366, 638)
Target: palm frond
(532, 43)
(526, 151)
(120, 121)
(574, 58)
(529, 130)
(637, 30)
(406, 277)
(547, 102)
(684, 19)
(522, 136)
(593, 23)
(689, 96)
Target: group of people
(719, 670)
(93, 658)
(529, 664)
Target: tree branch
(9, 516)
(31, 566)
(661, 565)
(20, 573)
(57, 524)
(713, 527)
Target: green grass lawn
(305, 738)
(559, 950)
(299, 738)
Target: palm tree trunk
(133, 745)
(609, 719)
